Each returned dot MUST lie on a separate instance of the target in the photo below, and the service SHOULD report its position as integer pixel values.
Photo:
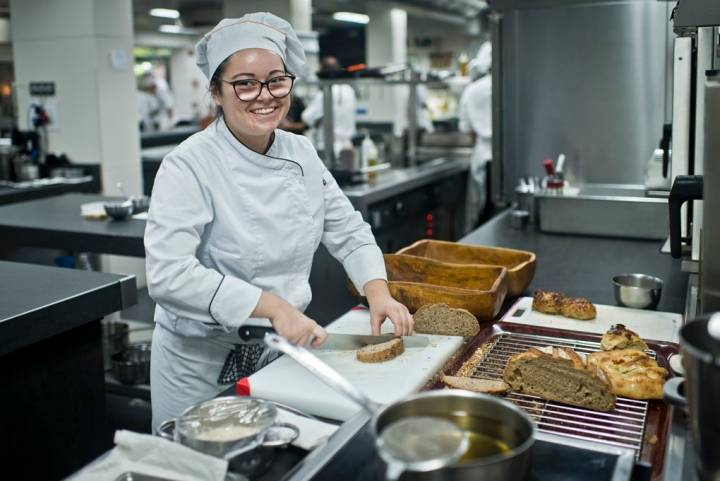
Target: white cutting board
(651, 325)
(287, 382)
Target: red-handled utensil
(549, 168)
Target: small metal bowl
(118, 210)
(132, 366)
(638, 291)
(140, 203)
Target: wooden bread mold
(416, 281)
(520, 265)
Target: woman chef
(237, 213)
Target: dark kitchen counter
(38, 302)
(56, 222)
(51, 366)
(584, 266)
(41, 188)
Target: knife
(334, 341)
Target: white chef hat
(480, 65)
(254, 30)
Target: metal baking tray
(640, 426)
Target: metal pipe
(328, 126)
(412, 121)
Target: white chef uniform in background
(226, 223)
(344, 106)
(476, 117)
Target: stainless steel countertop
(395, 181)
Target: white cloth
(153, 456)
(254, 30)
(482, 62)
(226, 223)
(344, 106)
(165, 98)
(476, 116)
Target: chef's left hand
(382, 305)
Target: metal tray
(603, 209)
(637, 425)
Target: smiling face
(251, 122)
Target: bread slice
(489, 386)
(445, 320)
(558, 379)
(381, 352)
(631, 372)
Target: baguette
(559, 379)
(381, 352)
(445, 320)
(489, 386)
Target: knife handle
(250, 333)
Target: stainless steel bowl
(118, 210)
(132, 366)
(639, 291)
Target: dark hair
(216, 85)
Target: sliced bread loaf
(558, 379)
(445, 320)
(381, 352)
(489, 386)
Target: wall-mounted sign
(42, 89)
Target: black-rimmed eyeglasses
(248, 90)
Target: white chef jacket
(476, 116)
(344, 106)
(226, 223)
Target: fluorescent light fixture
(167, 28)
(351, 17)
(164, 13)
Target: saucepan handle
(166, 430)
(280, 435)
(671, 392)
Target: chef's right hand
(289, 322)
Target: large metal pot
(701, 360)
(241, 430)
(486, 418)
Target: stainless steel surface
(623, 427)
(615, 210)
(701, 355)
(395, 181)
(585, 78)
(328, 123)
(132, 365)
(519, 219)
(344, 342)
(638, 291)
(324, 372)
(710, 263)
(479, 413)
(682, 107)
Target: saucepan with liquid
(501, 435)
(242, 430)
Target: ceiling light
(164, 13)
(176, 29)
(351, 17)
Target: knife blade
(335, 341)
(345, 342)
